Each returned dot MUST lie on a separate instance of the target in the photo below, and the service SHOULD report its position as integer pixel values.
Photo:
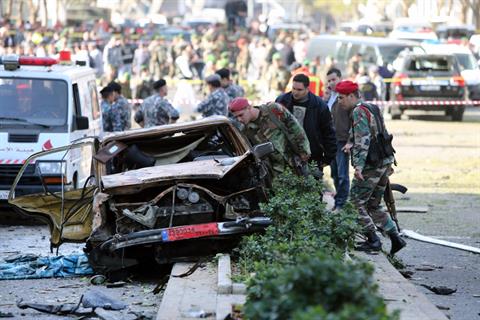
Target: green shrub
(298, 264)
(319, 286)
(301, 224)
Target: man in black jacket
(312, 112)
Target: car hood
(203, 169)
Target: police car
(45, 103)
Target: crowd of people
(310, 120)
(136, 57)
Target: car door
(64, 205)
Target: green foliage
(319, 286)
(301, 223)
(298, 265)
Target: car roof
(421, 55)
(448, 48)
(169, 128)
(366, 40)
(51, 72)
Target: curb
(399, 293)
(224, 283)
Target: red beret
(346, 87)
(238, 104)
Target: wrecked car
(164, 193)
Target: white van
(45, 105)
(375, 51)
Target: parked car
(431, 77)
(469, 66)
(454, 33)
(161, 193)
(413, 29)
(375, 51)
(44, 104)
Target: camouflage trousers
(367, 195)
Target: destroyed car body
(167, 193)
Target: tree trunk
(32, 12)
(45, 12)
(20, 10)
(8, 13)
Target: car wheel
(395, 112)
(396, 116)
(457, 114)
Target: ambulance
(45, 103)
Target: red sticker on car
(190, 232)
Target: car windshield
(439, 63)
(390, 53)
(34, 101)
(467, 61)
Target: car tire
(396, 116)
(457, 114)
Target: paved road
(440, 163)
(14, 240)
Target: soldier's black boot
(397, 242)
(373, 243)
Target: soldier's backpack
(381, 144)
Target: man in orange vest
(316, 84)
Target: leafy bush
(301, 223)
(319, 286)
(298, 266)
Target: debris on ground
(30, 266)
(419, 209)
(413, 235)
(6, 315)
(89, 301)
(441, 290)
(424, 268)
(442, 307)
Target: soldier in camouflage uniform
(217, 102)
(156, 110)
(160, 58)
(369, 182)
(120, 110)
(277, 76)
(106, 106)
(273, 123)
(233, 90)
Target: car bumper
(168, 235)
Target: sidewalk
(209, 292)
(399, 293)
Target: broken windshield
(36, 101)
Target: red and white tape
(11, 161)
(428, 102)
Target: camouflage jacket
(215, 104)
(234, 91)
(106, 116)
(278, 78)
(120, 114)
(263, 129)
(157, 111)
(364, 129)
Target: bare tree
(473, 5)
(8, 12)
(20, 10)
(32, 12)
(406, 4)
(45, 12)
